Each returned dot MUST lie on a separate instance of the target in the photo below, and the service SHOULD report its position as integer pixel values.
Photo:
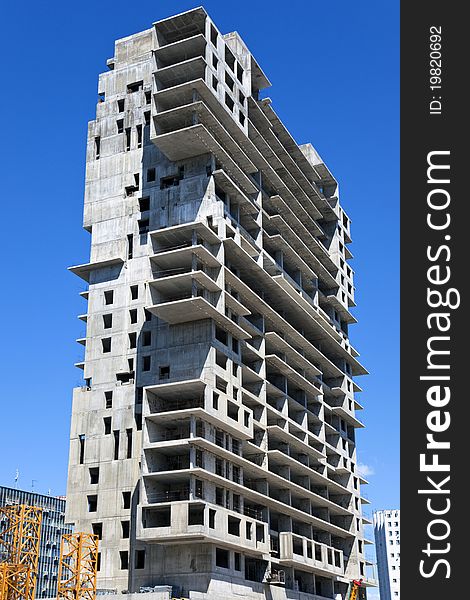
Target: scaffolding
(20, 532)
(78, 566)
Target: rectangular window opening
(124, 556)
(92, 503)
(129, 443)
(108, 397)
(126, 499)
(144, 204)
(116, 444)
(81, 442)
(94, 475)
(222, 558)
(107, 425)
(139, 560)
(125, 527)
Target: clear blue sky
(334, 69)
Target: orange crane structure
(78, 566)
(20, 532)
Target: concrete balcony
(182, 235)
(85, 270)
(182, 258)
(188, 521)
(296, 550)
(166, 402)
(180, 51)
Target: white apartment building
(387, 544)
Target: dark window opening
(229, 81)
(129, 443)
(128, 139)
(215, 61)
(214, 35)
(97, 529)
(134, 292)
(221, 336)
(195, 515)
(133, 315)
(146, 363)
(107, 425)
(232, 411)
(144, 226)
(106, 345)
(125, 526)
(92, 503)
(239, 72)
(229, 102)
(124, 556)
(229, 58)
(98, 562)
(121, 104)
(147, 338)
(130, 246)
(144, 204)
(109, 296)
(139, 136)
(221, 558)
(237, 561)
(108, 397)
(132, 340)
(120, 125)
(215, 400)
(248, 531)
(241, 118)
(97, 147)
(148, 97)
(135, 87)
(151, 174)
(233, 526)
(81, 441)
(169, 181)
(246, 419)
(116, 444)
(212, 518)
(126, 499)
(164, 372)
(147, 118)
(139, 561)
(148, 315)
(107, 321)
(94, 475)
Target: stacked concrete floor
(213, 441)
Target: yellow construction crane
(78, 566)
(20, 532)
(355, 588)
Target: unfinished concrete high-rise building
(213, 443)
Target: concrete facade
(213, 441)
(53, 526)
(387, 545)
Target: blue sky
(334, 70)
